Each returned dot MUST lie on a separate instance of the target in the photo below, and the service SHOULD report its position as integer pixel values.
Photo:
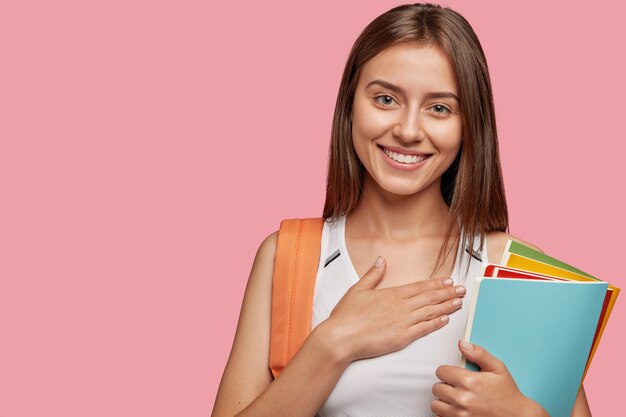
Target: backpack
(293, 283)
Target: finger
(373, 276)
(414, 288)
(481, 357)
(449, 374)
(434, 297)
(430, 312)
(422, 328)
(441, 408)
(456, 376)
(444, 392)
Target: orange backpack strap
(295, 267)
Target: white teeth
(406, 159)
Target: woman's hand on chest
(370, 321)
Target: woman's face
(406, 125)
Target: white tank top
(399, 383)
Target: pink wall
(147, 148)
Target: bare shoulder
(496, 243)
(262, 267)
(267, 251)
(269, 243)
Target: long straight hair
(472, 186)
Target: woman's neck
(395, 217)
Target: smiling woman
(416, 129)
(414, 182)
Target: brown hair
(472, 186)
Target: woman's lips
(403, 159)
(403, 151)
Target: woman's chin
(400, 189)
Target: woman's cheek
(447, 136)
(368, 123)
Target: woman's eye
(441, 109)
(385, 100)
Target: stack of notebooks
(544, 319)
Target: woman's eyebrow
(442, 94)
(397, 89)
(385, 84)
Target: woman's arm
(245, 376)
(366, 322)
(303, 385)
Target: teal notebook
(541, 330)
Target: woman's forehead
(411, 67)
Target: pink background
(148, 147)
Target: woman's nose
(408, 127)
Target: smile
(404, 158)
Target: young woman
(414, 208)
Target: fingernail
(467, 345)
(448, 281)
(460, 290)
(379, 262)
(445, 319)
(457, 302)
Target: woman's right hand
(370, 321)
